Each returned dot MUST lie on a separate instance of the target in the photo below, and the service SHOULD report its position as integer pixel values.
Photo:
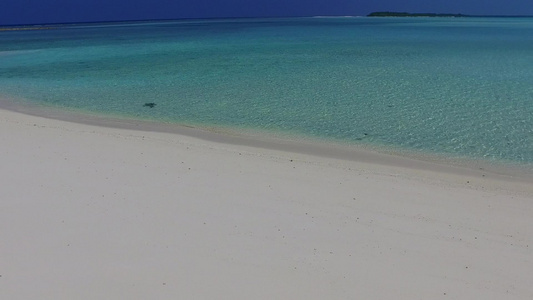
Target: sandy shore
(90, 212)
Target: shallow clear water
(462, 87)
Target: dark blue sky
(57, 11)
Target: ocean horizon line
(148, 20)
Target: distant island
(16, 28)
(406, 14)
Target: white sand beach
(90, 212)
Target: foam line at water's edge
(329, 149)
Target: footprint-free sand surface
(89, 212)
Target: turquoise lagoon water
(458, 87)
